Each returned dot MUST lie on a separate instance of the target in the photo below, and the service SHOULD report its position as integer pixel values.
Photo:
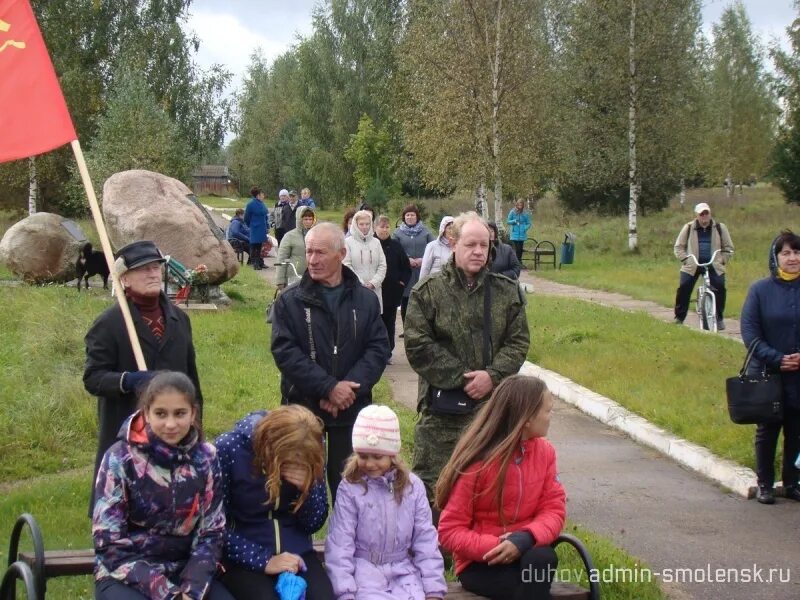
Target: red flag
(33, 115)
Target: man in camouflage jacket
(444, 340)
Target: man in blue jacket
(329, 343)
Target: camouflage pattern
(444, 339)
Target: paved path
(552, 288)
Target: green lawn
(602, 259)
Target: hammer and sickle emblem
(4, 28)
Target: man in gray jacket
(702, 237)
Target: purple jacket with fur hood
(372, 538)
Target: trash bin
(568, 250)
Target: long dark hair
(494, 436)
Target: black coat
(398, 273)
(349, 345)
(504, 261)
(109, 354)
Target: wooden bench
(35, 567)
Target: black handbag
(754, 399)
(457, 401)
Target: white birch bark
(496, 142)
(683, 192)
(33, 186)
(633, 175)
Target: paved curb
(736, 478)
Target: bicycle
(706, 297)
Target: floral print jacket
(158, 523)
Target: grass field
(602, 259)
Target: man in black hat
(164, 332)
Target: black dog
(91, 262)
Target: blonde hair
(463, 219)
(494, 436)
(352, 474)
(288, 434)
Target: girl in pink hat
(381, 541)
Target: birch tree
(743, 110)
(625, 82)
(471, 73)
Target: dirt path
(613, 299)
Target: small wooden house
(213, 179)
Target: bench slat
(61, 563)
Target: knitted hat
(377, 431)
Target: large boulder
(42, 248)
(142, 205)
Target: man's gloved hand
(133, 381)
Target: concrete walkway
(547, 287)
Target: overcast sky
(231, 30)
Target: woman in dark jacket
(504, 259)
(256, 217)
(164, 332)
(275, 499)
(771, 315)
(398, 274)
(413, 237)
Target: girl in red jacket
(502, 504)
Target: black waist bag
(456, 401)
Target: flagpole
(106, 245)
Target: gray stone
(42, 248)
(142, 205)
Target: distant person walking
(519, 220)
(771, 320)
(413, 237)
(702, 237)
(398, 274)
(256, 217)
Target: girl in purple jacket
(158, 524)
(381, 541)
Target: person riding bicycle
(702, 237)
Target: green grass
(672, 376)
(602, 259)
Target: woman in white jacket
(438, 252)
(365, 256)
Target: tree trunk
(496, 142)
(683, 191)
(33, 186)
(729, 185)
(633, 175)
(480, 204)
